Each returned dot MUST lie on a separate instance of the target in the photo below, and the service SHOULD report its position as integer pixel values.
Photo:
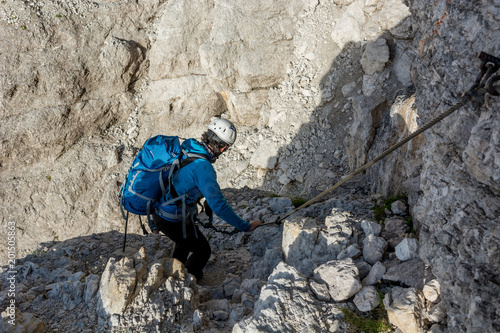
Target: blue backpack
(150, 176)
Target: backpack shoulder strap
(190, 158)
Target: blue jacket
(199, 179)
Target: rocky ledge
(303, 275)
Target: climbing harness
(484, 84)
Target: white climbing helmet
(224, 129)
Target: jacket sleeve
(206, 180)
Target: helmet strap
(213, 155)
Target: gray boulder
(407, 249)
(367, 299)
(376, 273)
(375, 56)
(374, 248)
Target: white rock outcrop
(405, 309)
(371, 228)
(117, 285)
(297, 309)
(342, 278)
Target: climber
(198, 179)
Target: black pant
(198, 246)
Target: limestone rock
(374, 248)
(175, 51)
(242, 105)
(367, 299)
(240, 55)
(297, 310)
(397, 123)
(394, 227)
(306, 247)
(437, 328)
(436, 313)
(352, 251)
(412, 273)
(172, 105)
(432, 290)
(403, 67)
(280, 205)
(21, 322)
(91, 287)
(85, 83)
(320, 290)
(199, 318)
(372, 84)
(371, 228)
(173, 267)
(349, 26)
(340, 232)
(404, 308)
(342, 278)
(391, 15)
(117, 285)
(376, 273)
(299, 241)
(398, 207)
(407, 249)
(367, 115)
(154, 278)
(375, 56)
(480, 153)
(363, 267)
(349, 89)
(266, 156)
(343, 2)
(456, 247)
(238, 38)
(358, 20)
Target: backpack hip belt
(188, 211)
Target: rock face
(70, 71)
(457, 208)
(316, 88)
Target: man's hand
(254, 225)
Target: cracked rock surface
(316, 89)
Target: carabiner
(493, 90)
